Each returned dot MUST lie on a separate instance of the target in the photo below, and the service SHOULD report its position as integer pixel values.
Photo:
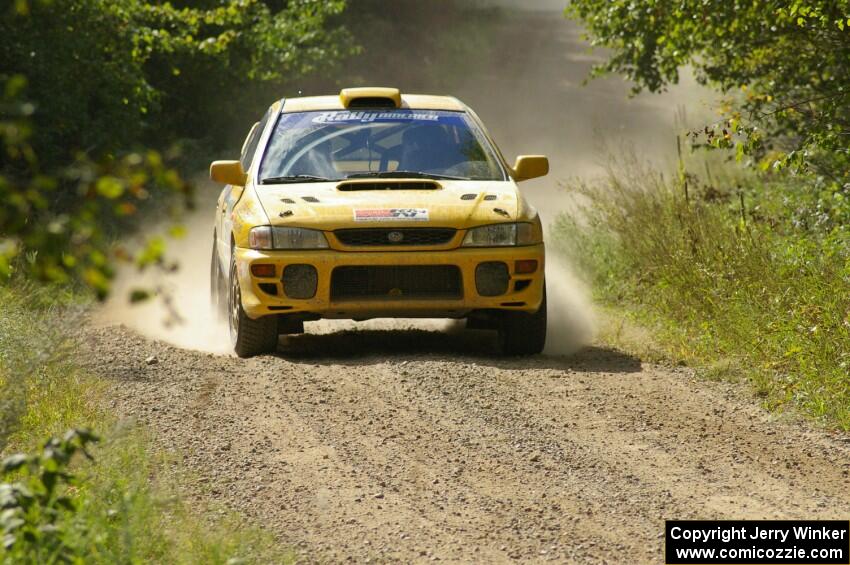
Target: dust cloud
(180, 313)
(528, 88)
(570, 319)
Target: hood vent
(354, 186)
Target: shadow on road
(375, 346)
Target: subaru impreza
(376, 204)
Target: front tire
(249, 337)
(217, 293)
(522, 333)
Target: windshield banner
(369, 117)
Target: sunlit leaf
(110, 187)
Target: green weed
(749, 275)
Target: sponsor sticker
(369, 117)
(391, 214)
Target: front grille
(358, 237)
(428, 282)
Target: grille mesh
(409, 236)
(424, 282)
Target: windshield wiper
(403, 174)
(295, 178)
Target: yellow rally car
(374, 204)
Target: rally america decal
(391, 214)
(369, 117)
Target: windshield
(333, 145)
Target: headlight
(267, 237)
(501, 235)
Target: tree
(107, 74)
(784, 64)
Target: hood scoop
(358, 185)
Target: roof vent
(371, 97)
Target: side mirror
(228, 172)
(530, 167)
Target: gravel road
(407, 446)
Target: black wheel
(522, 333)
(249, 337)
(217, 292)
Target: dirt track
(418, 446)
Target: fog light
(269, 288)
(300, 281)
(491, 278)
(262, 270)
(525, 267)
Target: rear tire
(522, 333)
(249, 337)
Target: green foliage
(739, 272)
(784, 65)
(55, 224)
(34, 498)
(106, 75)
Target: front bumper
(258, 302)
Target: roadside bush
(56, 508)
(33, 505)
(737, 272)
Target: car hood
(388, 203)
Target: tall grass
(127, 507)
(743, 272)
(33, 354)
